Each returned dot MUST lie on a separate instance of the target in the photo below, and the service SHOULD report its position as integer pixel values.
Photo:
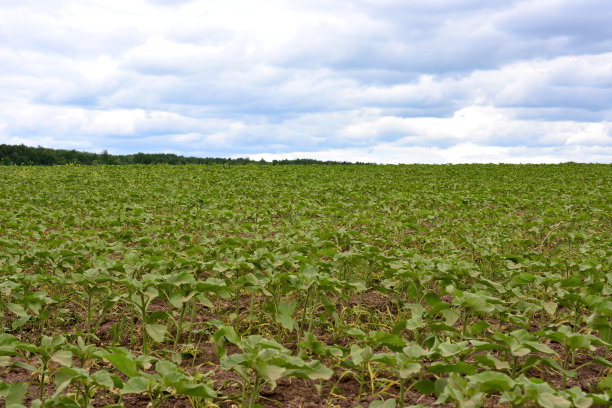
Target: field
(306, 286)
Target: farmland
(313, 286)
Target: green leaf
(521, 279)
(409, 370)
(181, 278)
(355, 332)
(548, 400)
(460, 368)
(13, 393)
(225, 333)
(431, 298)
(123, 363)
(601, 361)
(479, 304)
(26, 366)
(63, 378)
(492, 362)
(103, 379)
(156, 331)
(311, 343)
(205, 301)
(62, 357)
(555, 364)
(479, 327)
(415, 351)
(136, 385)
(425, 387)
(179, 298)
(272, 372)
(360, 354)
(520, 351)
(285, 310)
(20, 322)
(450, 316)
(390, 403)
(195, 390)
(18, 310)
(542, 348)
(392, 341)
(492, 381)
(318, 371)
(550, 307)
(606, 383)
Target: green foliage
(263, 361)
(471, 284)
(25, 155)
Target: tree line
(25, 155)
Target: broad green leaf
(103, 378)
(205, 301)
(450, 316)
(409, 370)
(179, 298)
(492, 381)
(542, 348)
(550, 307)
(13, 393)
(18, 310)
(492, 362)
(548, 400)
(195, 390)
(521, 279)
(62, 357)
(156, 331)
(318, 371)
(390, 403)
(136, 385)
(355, 332)
(460, 368)
(425, 386)
(415, 351)
(123, 363)
(181, 278)
(520, 351)
(601, 361)
(285, 310)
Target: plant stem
(303, 322)
(465, 321)
(255, 391)
(89, 317)
(42, 380)
(143, 312)
(193, 307)
(179, 327)
(565, 365)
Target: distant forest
(24, 155)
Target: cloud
(579, 26)
(482, 125)
(462, 153)
(381, 79)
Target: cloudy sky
(388, 81)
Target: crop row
(377, 285)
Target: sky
(384, 81)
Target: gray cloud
(510, 79)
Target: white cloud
(462, 153)
(479, 124)
(453, 80)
